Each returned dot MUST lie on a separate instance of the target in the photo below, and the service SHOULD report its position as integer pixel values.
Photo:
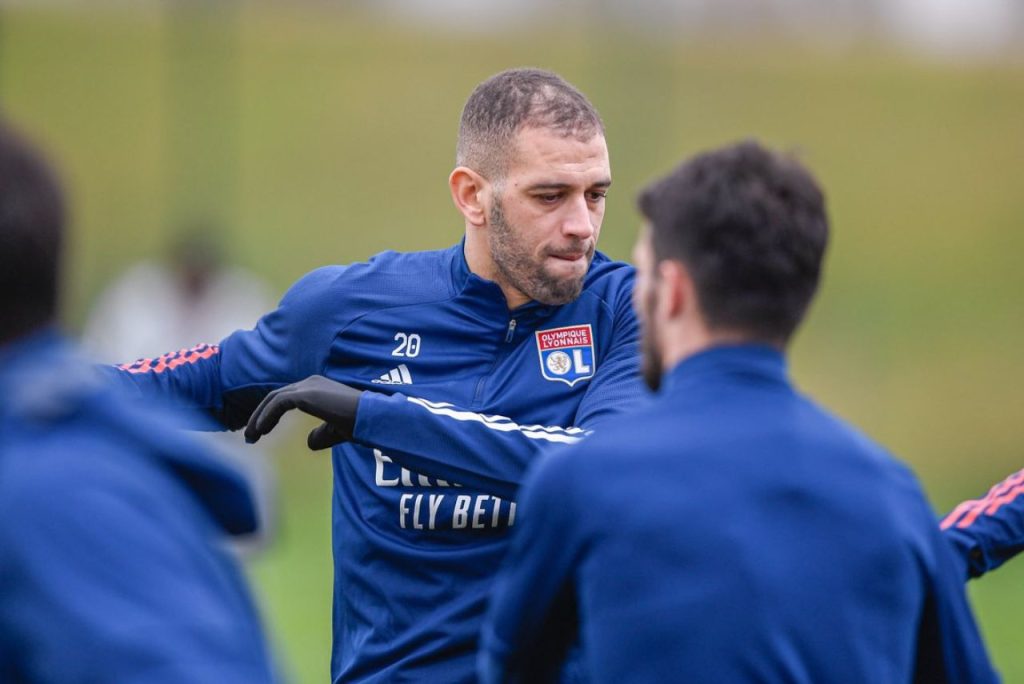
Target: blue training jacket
(732, 532)
(111, 568)
(465, 395)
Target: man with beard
(733, 531)
(463, 363)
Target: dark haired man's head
(31, 233)
(504, 104)
(749, 227)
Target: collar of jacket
(755, 361)
(488, 299)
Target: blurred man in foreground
(733, 531)
(110, 521)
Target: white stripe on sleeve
(551, 433)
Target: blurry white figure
(189, 298)
(954, 28)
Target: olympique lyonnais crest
(567, 354)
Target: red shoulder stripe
(1001, 494)
(171, 360)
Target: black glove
(333, 402)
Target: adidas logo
(396, 376)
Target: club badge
(566, 354)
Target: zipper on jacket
(500, 353)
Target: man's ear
(676, 293)
(468, 189)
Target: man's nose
(578, 222)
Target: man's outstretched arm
(483, 451)
(987, 532)
(228, 380)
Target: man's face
(546, 214)
(645, 303)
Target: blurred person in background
(111, 520)
(191, 295)
(732, 530)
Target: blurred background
(296, 134)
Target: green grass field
(318, 136)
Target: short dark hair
(32, 218)
(750, 226)
(515, 99)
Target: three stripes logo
(171, 360)
(1000, 495)
(395, 376)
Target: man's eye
(549, 198)
(597, 196)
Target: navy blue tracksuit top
(111, 529)
(732, 531)
(464, 394)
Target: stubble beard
(514, 262)
(651, 365)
